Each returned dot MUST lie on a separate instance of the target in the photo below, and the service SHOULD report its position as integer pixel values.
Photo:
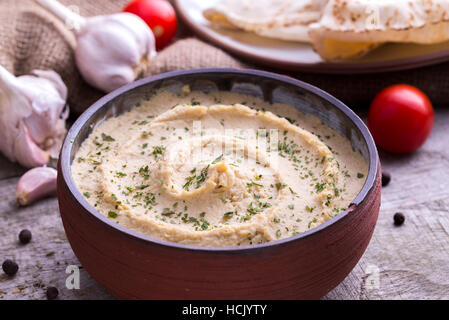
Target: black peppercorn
(25, 236)
(398, 218)
(52, 293)
(386, 177)
(10, 267)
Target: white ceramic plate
(295, 56)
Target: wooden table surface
(407, 262)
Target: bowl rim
(65, 165)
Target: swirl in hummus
(217, 169)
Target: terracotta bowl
(306, 266)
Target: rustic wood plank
(43, 261)
(9, 169)
(409, 262)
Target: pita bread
(349, 29)
(280, 19)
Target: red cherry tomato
(160, 17)
(400, 118)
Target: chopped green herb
(280, 186)
(218, 159)
(106, 137)
(319, 187)
(205, 224)
(157, 151)
(202, 177)
(189, 182)
(254, 210)
(228, 215)
(112, 214)
(251, 184)
(167, 212)
(310, 209)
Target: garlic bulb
(111, 49)
(32, 116)
(36, 184)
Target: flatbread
(349, 29)
(338, 29)
(279, 19)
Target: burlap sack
(31, 38)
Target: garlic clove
(110, 48)
(33, 115)
(26, 151)
(36, 184)
(44, 120)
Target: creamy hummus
(217, 169)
